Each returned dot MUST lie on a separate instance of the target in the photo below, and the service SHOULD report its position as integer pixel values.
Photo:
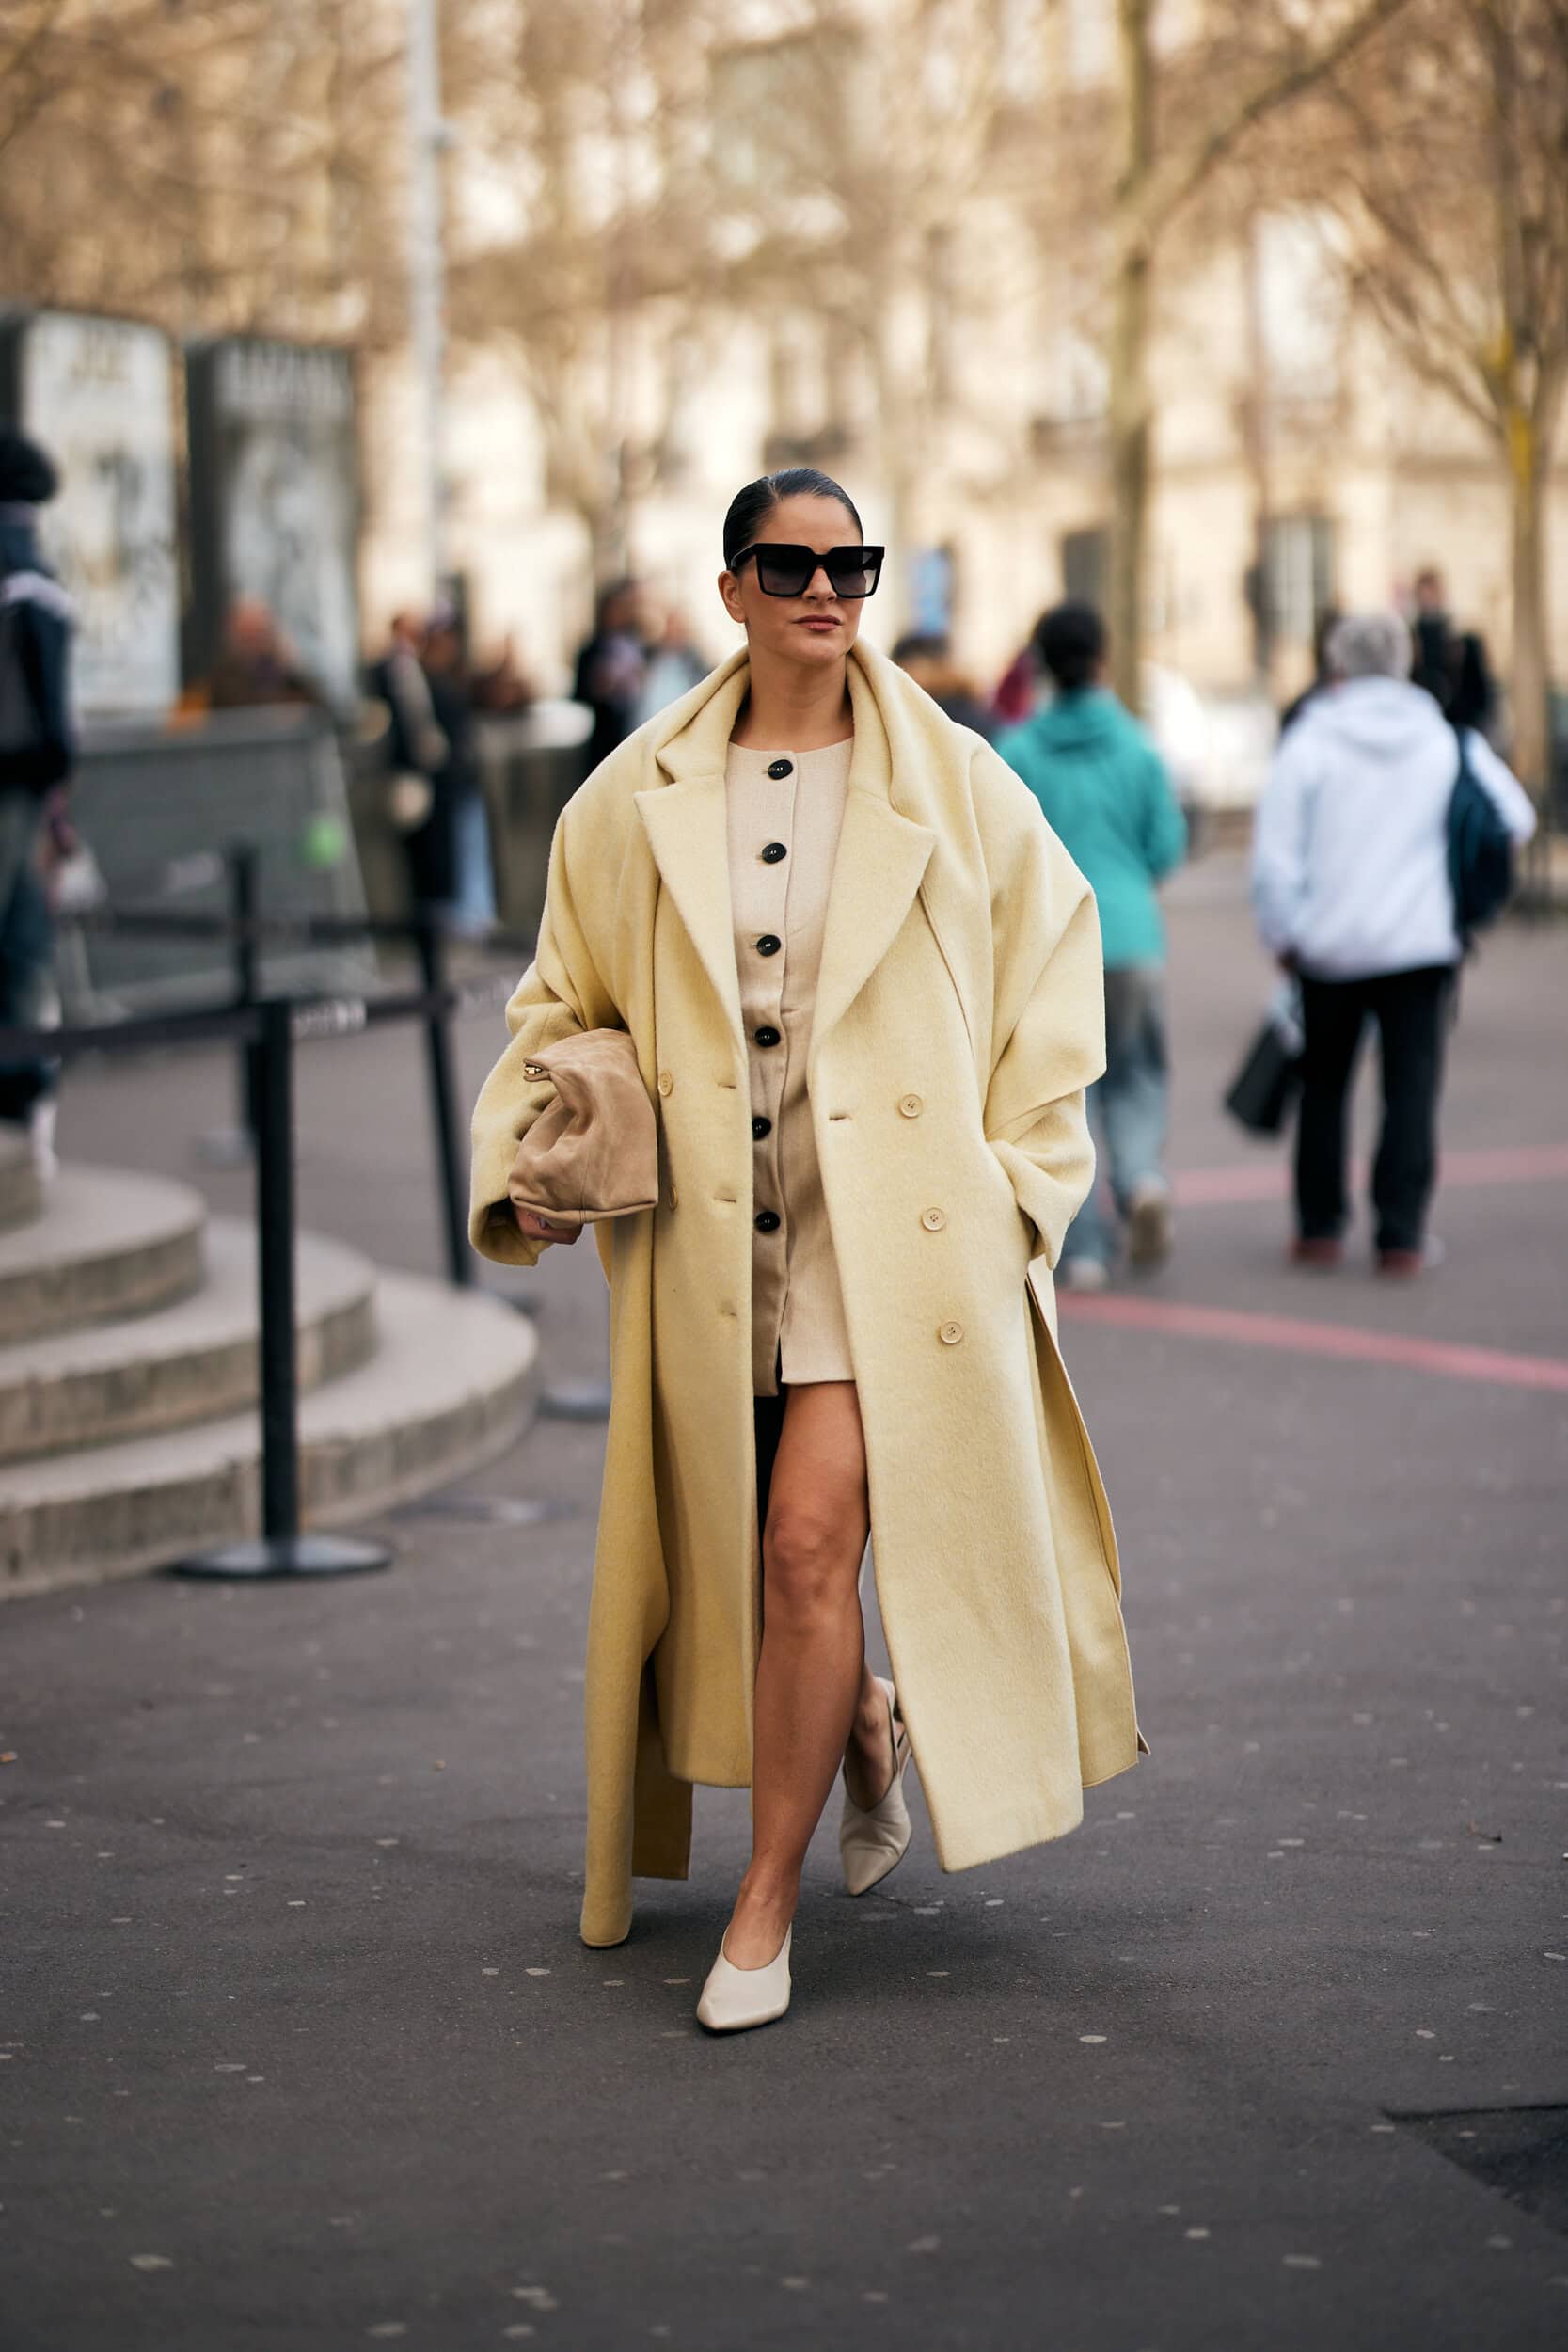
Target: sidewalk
(303, 2052)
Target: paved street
(303, 2050)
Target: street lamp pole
(427, 271)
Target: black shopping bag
(1263, 1089)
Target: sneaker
(1405, 1264)
(1148, 1222)
(1318, 1250)
(1084, 1274)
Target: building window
(1298, 579)
(1085, 565)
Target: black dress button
(761, 1127)
(765, 1034)
(766, 1221)
(774, 851)
(769, 943)
(779, 768)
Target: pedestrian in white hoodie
(1351, 889)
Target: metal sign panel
(275, 500)
(99, 393)
(160, 808)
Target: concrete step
(104, 1243)
(448, 1388)
(19, 1198)
(193, 1361)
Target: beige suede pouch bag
(594, 1151)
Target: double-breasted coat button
(666, 1082)
(933, 1220)
(911, 1106)
(766, 1035)
(779, 768)
(769, 943)
(774, 851)
(766, 1220)
(761, 1127)
(950, 1334)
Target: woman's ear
(729, 591)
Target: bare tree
(225, 165)
(588, 266)
(1170, 138)
(1450, 169)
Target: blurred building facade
(1298, 463)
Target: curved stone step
(195, 1360)
(448, 1388)
(20, 1198)
(103, 1244)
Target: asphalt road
(299, 2045)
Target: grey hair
(1369, 644)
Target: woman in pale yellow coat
(863, 979)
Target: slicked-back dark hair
(750, 507)
(1070, 642)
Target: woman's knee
(810, 1564)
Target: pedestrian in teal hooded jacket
(1105, 792)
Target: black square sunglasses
(784, 570)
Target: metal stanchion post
(231, 1147)
(244, 863)
(282, 1551)
(437, 1029)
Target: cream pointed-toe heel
(873, 1843)
(734, 1999)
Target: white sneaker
(1148, 1222)
(1084, 1274)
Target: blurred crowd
(1385, 833)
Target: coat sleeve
(1279, 843)
(1047, 1033)
(562, 992)
(1502, 788)
(1163, 827)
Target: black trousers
(1410, 1011)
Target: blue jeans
(1127, 1107)
(474, 905)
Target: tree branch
(1183, 174)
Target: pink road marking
(1270, 1180)
(1294, 1335)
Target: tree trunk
(1529, 670)
(1128, 398)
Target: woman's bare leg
(815, 1696)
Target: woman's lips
(822, 621)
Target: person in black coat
(611, 669)
(36, 754)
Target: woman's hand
(540, 1228)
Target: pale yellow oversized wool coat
(959, 1019)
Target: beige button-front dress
(784, 813)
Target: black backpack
(1481, 852)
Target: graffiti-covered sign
(275, 501)
(99, 394)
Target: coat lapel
(881, 860)
(685, 822)
(687, 832)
